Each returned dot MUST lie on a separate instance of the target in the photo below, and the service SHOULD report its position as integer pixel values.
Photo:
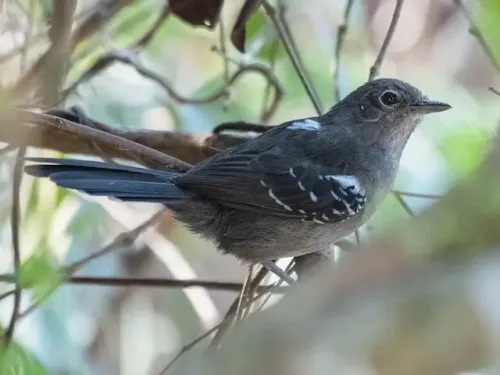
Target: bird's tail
(105, 179)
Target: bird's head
(387, 107)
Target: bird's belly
(270, 238)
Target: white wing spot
(301, 187)
(302, 212)
(349, 209)
(313, 196)
(334, 195)
(346, 182)
(306, 124)
(325, 217)
(285, 206)
(263, 183)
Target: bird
(296, 189)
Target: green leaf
(261, 37)
(487, 23)
(15, 360)
(41, 273)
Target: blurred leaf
(40, 273)
(464, 151)
(131, 22)
(488, 21)
(16, 361)
(261, 37)
(238, 35)
(197, 12)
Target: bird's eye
(389, 98)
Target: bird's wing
(276, 185)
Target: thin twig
(130, 58)
(243, 294)
(224, 324)
(339, 44)
(417, 195)
(404, 204)
(188, 347)
(146, 38)
(358, 237)
(494, 90)
(28, 37)
(293, 54)
(123, 239)
(476, 33)
(374, 70)
(102, 12)
(265, 114)
(149, 283)
(223, 50)
(228, 319)
(8, 293)
(16, 251)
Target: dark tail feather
(126, 183)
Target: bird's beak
(430, 106)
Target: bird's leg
(272, 267)
(242, 300)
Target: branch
(15, 219)
(476, 33)
(403, 204)
(42, 131)
(144, 40)
(494, 90)
(339, 44)
(417, 195)
(105, 10)
(17, 128)
(130, 58)
(123, 239)
(149, 283)
(374, 70)
(293, 54)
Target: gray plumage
(296, 189)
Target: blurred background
(90, 330)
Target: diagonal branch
(44, 131)
(293, 54)
(144, 154)
(374, 70)
(339, 44)
(476, 33)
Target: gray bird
(296, 189)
